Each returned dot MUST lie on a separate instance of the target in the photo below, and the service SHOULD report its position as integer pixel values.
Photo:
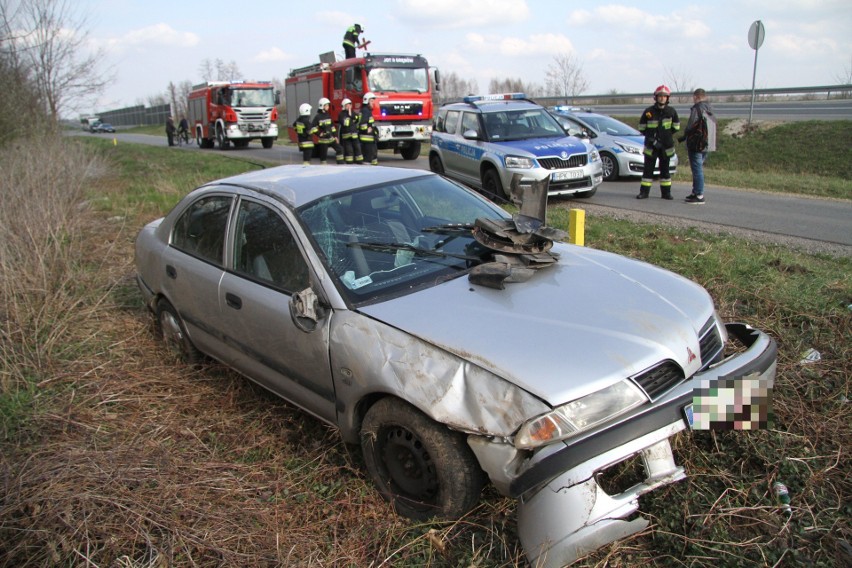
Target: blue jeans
(696, 164)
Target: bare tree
(227, 71)
(845, 78)
(565, 77)
(206, 70)
(680, 81)
(454, 87)
(45, 39)
(514, 86)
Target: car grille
(575, 161)
(668, 374)
(401, 108)
(710, 341)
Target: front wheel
(492, 186)
(423, 468)
(610, 167)
(435, 164)
(267, 142)
(223, 142)
(410, 152)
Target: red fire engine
(226, 112)
(402, 85)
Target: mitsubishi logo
(690, 356)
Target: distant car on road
(620, 145)
(104, 127)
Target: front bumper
(564, 513)
(585, 178)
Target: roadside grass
(115, 455)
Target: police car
(620, 145)
(485, 140)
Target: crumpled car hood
(580, 325)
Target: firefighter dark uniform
(348, 126)
(350, 40)
(367, 131)
(658, 123)
(326, 133)
(302, 126)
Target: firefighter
(658, 123)
(326, 133)
(350, 40)
(302, 126)
(349, 134)
(367, 130)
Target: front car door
(267, 266)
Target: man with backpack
(700, 137)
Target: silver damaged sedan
(457, 344)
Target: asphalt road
(813, 224)
(836, 109)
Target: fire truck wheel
(411, 151)
(223, 142)
(267, 142)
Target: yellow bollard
(114, 141)
(577, 227)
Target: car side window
(452, 121)
(200, 230)
(470, 121)
(266, 250)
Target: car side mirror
(470, 135)
(306, 310)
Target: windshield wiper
(393, 247)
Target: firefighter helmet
(324, 101)
(663, 90)
(358, 28)
(304, 109)
(345, 102)
(368, 96)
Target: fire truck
(402, 84)
(233, 112)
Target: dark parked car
(104, 127)
(456, 343)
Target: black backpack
(696, 140)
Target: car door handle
(171, 272)
(233, 301)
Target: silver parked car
(619, 144)
(456, 343)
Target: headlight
(519, 162)
(594, 156)
(629, 149)
(579, 415)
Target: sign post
(756, 35)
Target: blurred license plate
(562, 176)
(687, 412)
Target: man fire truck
(402, 85)
(226, 112)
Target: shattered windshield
(388, 240)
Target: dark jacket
(302, 126)
(366, 125)
(698, 111)
(659, 125)
(348, 124)
(323, 127)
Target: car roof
(297, 185)
(494, 105)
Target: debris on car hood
(522, 244)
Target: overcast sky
(625, 46)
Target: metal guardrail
(844, 91)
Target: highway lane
(781, 216)
(839, 109)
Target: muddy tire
(423, 468)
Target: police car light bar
(498, 97)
